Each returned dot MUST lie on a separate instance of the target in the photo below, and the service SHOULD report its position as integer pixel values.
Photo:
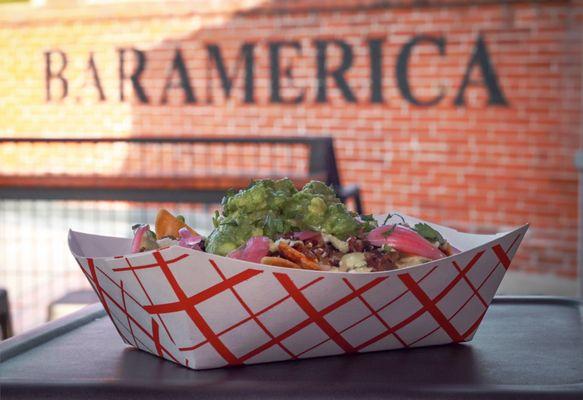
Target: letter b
(51, 75)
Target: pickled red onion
(254, 250)
(404, 240)
(187, 239)
(138, 236)
(306, 235)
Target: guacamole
(275, 207)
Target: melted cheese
(411, 260)
(164, 242)
(352, 261)
(339, 244)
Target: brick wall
(484, 165)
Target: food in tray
(273, 223)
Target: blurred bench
(5, 320)
(208, 187)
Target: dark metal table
(525, 348)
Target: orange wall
(478, 167)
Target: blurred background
(464, 113)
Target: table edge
(16, 345)
(275, 390)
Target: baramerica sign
(129, 77)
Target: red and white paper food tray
(205, 311)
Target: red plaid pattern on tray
(205, 311)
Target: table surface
(525, 348)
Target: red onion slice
(254, 250)
(404, 240)
(138, 236)
(306, 235)
(187, 239)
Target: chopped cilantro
(369, 222)
(367, 217)
(388, 232)
(429, 233)
(385, 248)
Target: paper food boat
(206, 311)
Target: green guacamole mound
(271, 208)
